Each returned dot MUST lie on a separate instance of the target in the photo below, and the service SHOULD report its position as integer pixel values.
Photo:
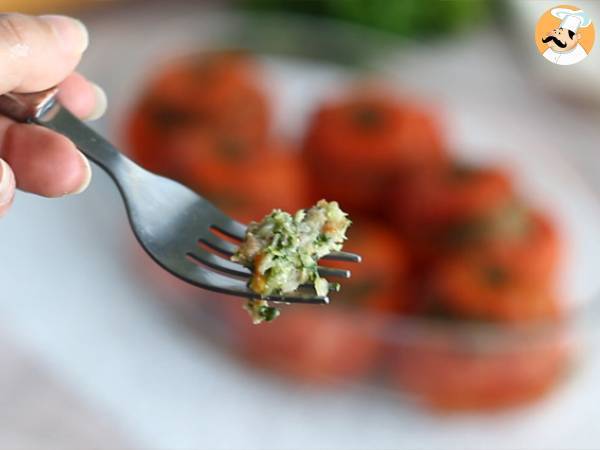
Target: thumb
(38, 52)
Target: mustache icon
(555, 40)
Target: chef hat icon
(570, 19)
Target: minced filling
(283, 250)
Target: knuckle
(15, 29)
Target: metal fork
(176, 226)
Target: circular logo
(565, 35)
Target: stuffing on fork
(283, 250)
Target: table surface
(93, 355)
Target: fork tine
(202, 277)
(331, 272)
(333, 287)
(298, 297)
(231, 228)
(343, 256)
(218, 244)
(218, 263)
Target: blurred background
(468, 164)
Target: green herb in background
(404, 17)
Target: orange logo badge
(565, 35)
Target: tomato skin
(505, 277)
(205, 121)
(452, 209)
(451, 194)
(312, 344)
(218, 90)
(486, 288)
(437, 204)
(365, 139)
(218, 93)
(446, 375)
(247, 183)
(534, 254)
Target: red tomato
(358, 144)
(535, 253)
(444, 373)
(216, 93)
(485, 288)
(247, 182)
(448, 209)
(310, 343)
(444, 199)
(219, 90)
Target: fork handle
(26, 107)
(43, 108)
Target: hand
(37, 53)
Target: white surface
(37, 412)
(74, 295)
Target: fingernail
(88, 177)
(7, 183)
(72, 34)
(100, 104)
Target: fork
(179, 229)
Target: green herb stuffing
(282, 251)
